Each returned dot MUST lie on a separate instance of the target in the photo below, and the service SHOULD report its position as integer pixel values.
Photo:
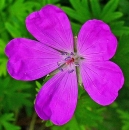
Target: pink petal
(102, 80)
(96, 41)
(51, 26)
(29, 59)
(57, 99)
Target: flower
(56, 49)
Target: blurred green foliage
(17, 97)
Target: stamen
(60, 66)
(72, 53)
(70, 60)
(58, 63)
(64, 53)
(70, 71)
(67, 58)
(76, 64)
(61, 69)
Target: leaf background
(17, 97)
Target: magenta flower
(86, 56)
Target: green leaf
(2, 46)
(13, 94)
(124, 115)
(79, 7)
(80, 12)
(117, 24)
(45, 2)
(88, 112)
(14, 32)
(3, 70)
(6, 121)
(38, 86)
(80, 91)
(95, 7)
(3, 59)
(121, 31)
(123, 46)
(112, 16)
(73, 14)
(85, 5)
(121, 56)
(71, 125)
(48, 124)
(109, 7)
(2, 4)
(75, 27)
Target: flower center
(69, 58)
(69, 61)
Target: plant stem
(32, 123)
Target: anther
(58, 63)
(67, 58)
(70, 71)
(72, 53)
(64, 53)
(60, 69)
(76, 64)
